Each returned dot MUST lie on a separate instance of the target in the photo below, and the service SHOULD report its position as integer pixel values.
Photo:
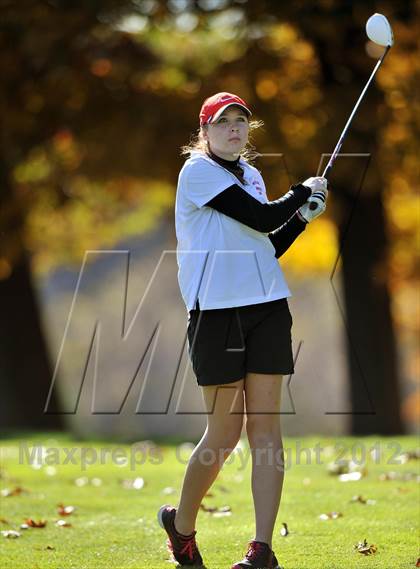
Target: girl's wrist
(300, 216)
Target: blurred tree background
(98, 96)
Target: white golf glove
(317, 183)
(319, 197)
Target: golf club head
(379, 30)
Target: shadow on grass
(196, 566)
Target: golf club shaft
(343, 134)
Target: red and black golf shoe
(183, 547)
(258, 556)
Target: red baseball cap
(214, 106)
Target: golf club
(379, 31)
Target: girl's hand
(316, 184)
(320, 199)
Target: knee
(226, 437)
(262, 428)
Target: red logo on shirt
(257, 186)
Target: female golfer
(239, 324)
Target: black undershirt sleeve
(238, 204)
(285, 235)
(265, 217)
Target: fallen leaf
(387, 476)
(216, 512)
(365, 549)
(63, 510)
(24, 526)
(11, 534)
(418, 562)
(16, 491)
(350, 477)
(412, 454)
(35, 524)
(284, 530)
(63, 524)
(406, 476)
(148, 445)
(346, 467)
(222, 513)
(358, 498)
(336, 468)
(362, 500)
(331, 516)
(4, 521)
(50, 547)
(209, 509)
(400, 490)
(136, 484)
(84, 481)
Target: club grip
(314, 205)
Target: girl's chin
(232, 151)
(235, 149)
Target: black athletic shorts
(226, 343)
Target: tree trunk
(370, 334)
(25, 369)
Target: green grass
(116, 527)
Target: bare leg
(262, 396)
(224, 426)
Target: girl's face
(228, 136)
